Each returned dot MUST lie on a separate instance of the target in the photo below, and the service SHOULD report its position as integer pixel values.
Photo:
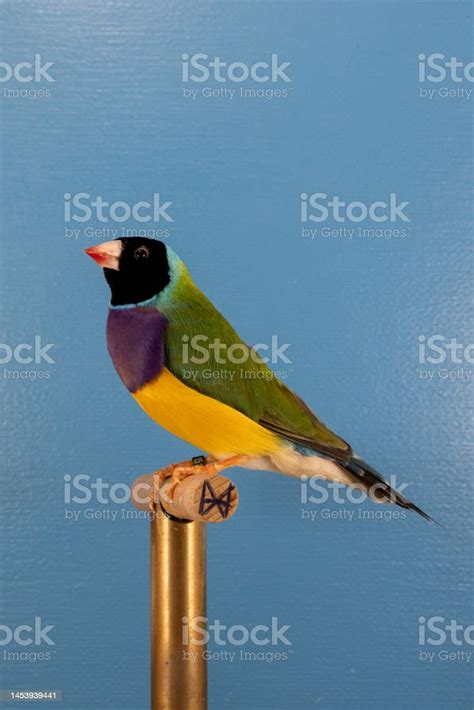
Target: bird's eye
(141, 254)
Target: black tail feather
(378, 489)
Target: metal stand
(178, 595)
(178, 580)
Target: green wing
(250, 386)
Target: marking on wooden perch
(222, 502)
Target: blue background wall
(353, 124)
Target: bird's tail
(377, 488)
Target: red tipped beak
(107, 255)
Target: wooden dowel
(200, 497)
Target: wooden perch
(204, 497)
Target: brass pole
(178, 590)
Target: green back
(250, 387)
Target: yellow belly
(205, 422)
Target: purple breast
(135, 339)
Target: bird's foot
(199, 465)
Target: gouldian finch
(248, 418)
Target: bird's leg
(199, 465)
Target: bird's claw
(199, 465)
(177, 472)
